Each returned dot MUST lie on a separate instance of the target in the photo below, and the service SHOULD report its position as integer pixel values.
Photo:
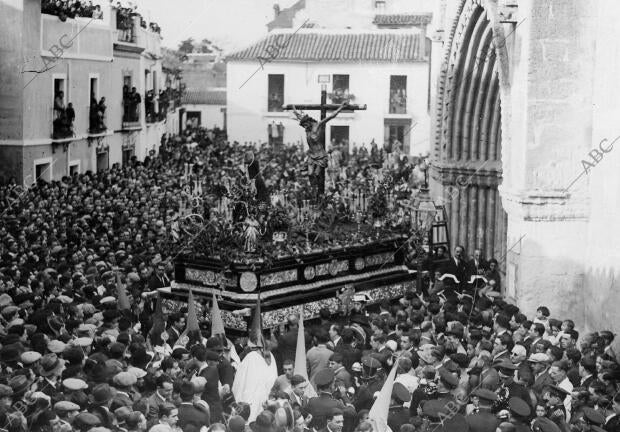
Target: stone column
(546, 132)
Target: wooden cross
(323, 107)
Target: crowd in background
(71, 9)
(82, 347)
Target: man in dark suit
(350, 354)
(189, 414)
(477, 265)
(158, 399)
(397, 414)
(334, 336)
(457, 265)
(540, 368)
(322, 406)
(297, 393)
(159, 279)
(287, 342)
(177, 325)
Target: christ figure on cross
(315, 131)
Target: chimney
(276, 10)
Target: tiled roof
(403, 20)
(286, 16)
(204, 97)
(309, 45)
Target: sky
(230, 24)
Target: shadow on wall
(602, 300)
(569, 288)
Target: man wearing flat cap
(398, 415)
(66, 411)
(322, 405)
(540, 366)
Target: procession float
(313, 246)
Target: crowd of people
(71, 9)
(83, 346)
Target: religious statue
(250, 234)
(317, 156)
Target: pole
(321, 179)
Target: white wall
(356, 14)
(211, 115)
(247, 103)
(602, 255)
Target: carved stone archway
(466, 158)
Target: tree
(187, 46)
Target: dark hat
(324, 377)
(19, 384)
(448, 378)
(265, 422)
(215, 343)
(543, 424)
(101, 394)
(593, 416)
(50, 365)
(558, 391)
(86, 420)
(110, 315)
(519, 406)
(485, 394)
(400, 392)
(9, 354)
(297, 379)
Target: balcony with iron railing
(97, 118)
(62, 124)
(131, 113)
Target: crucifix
(315, 135)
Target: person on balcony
(134, 100)
(70, 117)
(101, 107)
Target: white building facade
(387, 70)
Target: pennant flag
(300, 355)
(256, 331)
(159, 325)
(379, 411)
(192, 318)
(217, 324)
(123, 300)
